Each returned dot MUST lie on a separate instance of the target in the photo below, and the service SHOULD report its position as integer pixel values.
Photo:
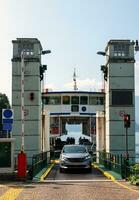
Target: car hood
(75, 155)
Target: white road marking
(59, 181)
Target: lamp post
(105, 71)
(102, 53)
(45, 52)
(126, 126)
(43, 68)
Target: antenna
(74, 80)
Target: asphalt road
(96, 190)
(76, 185)
(75, 175)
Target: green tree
(4, 103)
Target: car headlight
(87, 157)
(63, 158)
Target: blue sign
(7, 121)
(7, 113)
(7, 127)
(7, 116)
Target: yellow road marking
(56, 161)
(109, 176)
(1, 186)
(114, 180)
(46, 173)
(126, 187)
(11, 194)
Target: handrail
(39, 161)
(118, 163)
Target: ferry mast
(74, 80)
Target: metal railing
(39, 161)
(110, 161)
(118, 163)
(55, 154)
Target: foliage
(4, 103)
(134, 174)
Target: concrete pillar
(120, 96)
(47, 132)
(100, 132)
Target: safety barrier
(39, 161)
(42, 160)
(118, 163)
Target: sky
(74, 30)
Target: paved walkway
(97, 190)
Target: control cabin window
(66, 99)
(83, 100)
(27, 48)
(96, 100)
(75, 100)
(121, 50)
(54, 100)
(75, 108)
(122, 98)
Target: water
(137, 142)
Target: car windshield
(74, 149)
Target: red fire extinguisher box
(22, 165)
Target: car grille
(76, 166)
(76, 159)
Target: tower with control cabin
(31, 49)
(119, 96)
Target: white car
(75, 157)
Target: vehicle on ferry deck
(75, 157)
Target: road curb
(45, 174)
(105, 173)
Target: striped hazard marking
(11, 194)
